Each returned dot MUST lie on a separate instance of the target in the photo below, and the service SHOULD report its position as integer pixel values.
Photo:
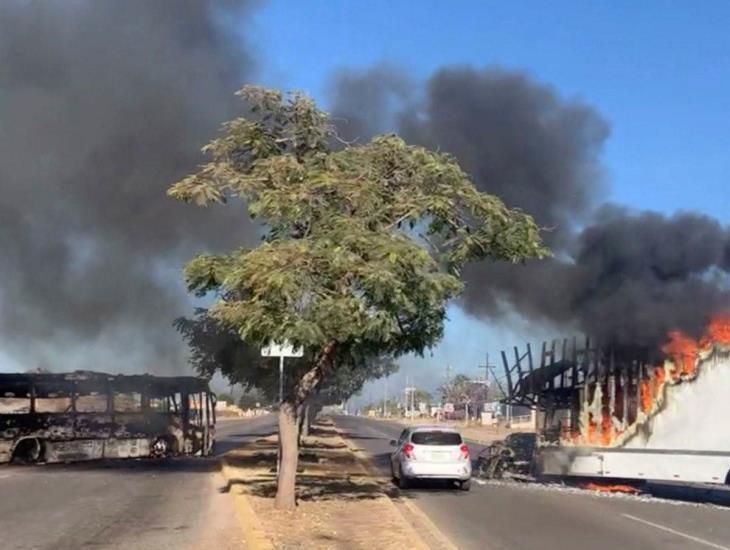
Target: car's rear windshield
(436, 438)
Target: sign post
(281, 350)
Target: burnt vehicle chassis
(63, 417)
(512, 457)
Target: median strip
(340, 502)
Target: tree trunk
(300, 424)
(288, 432)
(305, 420)
(289, 429)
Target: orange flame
(591, 486)
(660, 376)
(718, 331)
(646, 396)
(606, 428)
(592, 425)
(683, 352)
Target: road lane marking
(678, 533)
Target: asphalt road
(140, 504)
(522, 516)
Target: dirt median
(341, 503)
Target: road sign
(281, 350)
(448, 407)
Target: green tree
(227, 397)
(463, 392)
(250, 398)
(422, 396)
(362, 245)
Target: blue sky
(659, 72)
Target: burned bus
(82, 415)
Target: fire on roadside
(610, 488)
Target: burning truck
(614, 413)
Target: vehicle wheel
(465, 485)
(403, 482)
(161, 448)
(28, 451)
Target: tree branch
(311, 379)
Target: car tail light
(408, 450)
(464, 452)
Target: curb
(441, 539)
(253, 532)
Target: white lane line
(678, 533)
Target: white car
(430, 452)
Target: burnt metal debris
(566, 375)
(82, 415)
(511, 457)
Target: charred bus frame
(59, 417)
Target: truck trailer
(618, 413)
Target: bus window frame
(65, 387)
(101, 388)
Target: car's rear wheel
(403, 481)
(465, 485)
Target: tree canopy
(362, 245)
(462, 390)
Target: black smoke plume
(618, 275)
(103, 104)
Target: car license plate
(439, 456)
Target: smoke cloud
(622, 276)
(103, 105)
(366, 102)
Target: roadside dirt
(340, 504)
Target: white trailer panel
(650, 464)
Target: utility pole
(487, 367)
(385, 396)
